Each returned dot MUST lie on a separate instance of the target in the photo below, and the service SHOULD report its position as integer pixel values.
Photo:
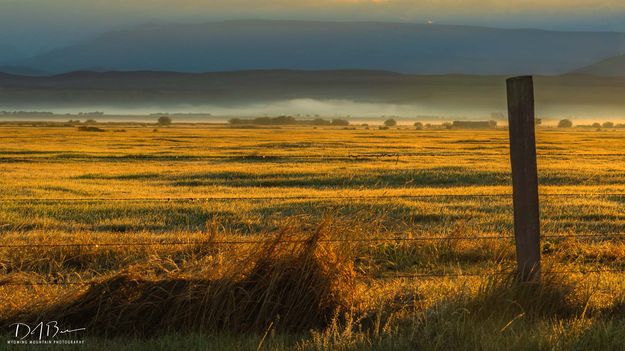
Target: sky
(28, 27)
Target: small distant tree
(320, 122)
(340, 122)
(596, 125)
(538, 121)
(418, 125)
(164, 120)
(447, 125)
(390, 123)
(608, 125)
(565, 123)
(283, 120)
(90, 129)
(91, 121)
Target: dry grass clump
(502, 295)
(615, 310)
(286, 286)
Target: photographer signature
(41, 330)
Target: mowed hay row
(283, 284)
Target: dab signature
(41, 330)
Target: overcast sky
(31, 26)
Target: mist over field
(351, 94)
(300, 107)
(304, 108)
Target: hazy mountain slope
(612, 67)
(407, 48)
(21, 70)
(457, 94)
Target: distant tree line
(567, 123)
(289, 120)
(492, 124)
(183, 114)
(13, 113)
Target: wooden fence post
(521, 125)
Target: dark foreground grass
(555, 320)
(283, 285)
(308, 296)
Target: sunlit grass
(179, 176)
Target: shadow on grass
(280, 286)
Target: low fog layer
(312, 108)
(294, 107)
(350, 94)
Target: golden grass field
(345, 200)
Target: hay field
(328, 211)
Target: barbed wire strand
(268, 157)
(303, 197)
(426, 275)
(294, 241)
(394, 276)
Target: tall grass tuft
(283, 284)
(502, 295)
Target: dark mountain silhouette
(21, 70)
(307, 45)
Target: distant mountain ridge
(308, 45)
